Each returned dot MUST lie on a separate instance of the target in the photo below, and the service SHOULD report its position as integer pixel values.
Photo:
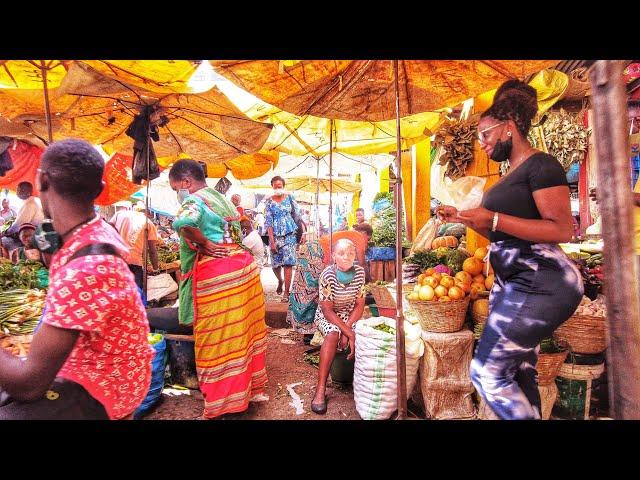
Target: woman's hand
(213, 250)
(476, 218)
(344, 341)
(352, 345)
(447, 213)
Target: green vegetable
(312, 359)
(424, 258)
(23, 275)
(454, 260)
(551, 345)
(385, 328)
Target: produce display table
(445, 380)
(382, 270)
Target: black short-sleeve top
(513, 194)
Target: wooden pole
(616, 205)
(331, 189)
(401, 361)
(47, 107)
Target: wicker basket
(549, 365)
(478, 318)
(383, 297)
(441, 317)
(584, 334)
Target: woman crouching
(341, 306)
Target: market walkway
(285, 366)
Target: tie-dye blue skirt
(536, 288)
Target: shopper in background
(131, 225)
(30, 212)
(281, 211)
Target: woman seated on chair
(341, 306)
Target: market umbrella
(35, 77)
(300, 135)
(364, 89)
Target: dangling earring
(508, 134)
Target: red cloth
(240, 210)
(26, 160)
(97, 295)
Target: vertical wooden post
(616, 203)
(400, 352)
(407, 187)
(421, 180)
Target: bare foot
(280, 286)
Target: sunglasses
(481, 134)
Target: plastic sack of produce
(158, 365)
(159, 286)
(375, 372)
(464, 194)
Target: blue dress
(279, 217)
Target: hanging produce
(456, 140)
(565, 137)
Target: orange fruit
(455, 293)
(465, 287)
(464, 277)
(478, 279)
(472, 265)
(488, 283)
(480, 253)
(441, 291)
(431, 281)
(447, 281)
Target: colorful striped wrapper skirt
(229, 331)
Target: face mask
(278, 191)
(502, 150)
(46, 239)
(183, 193)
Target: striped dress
(343, 296)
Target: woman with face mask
(537, 288)
(281, 213)
(220, 295)
(341, 306)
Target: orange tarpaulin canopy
(26, 160)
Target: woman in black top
(536, 286)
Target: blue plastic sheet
(158, 365)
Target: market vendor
(30, 212)
(341, 306)
(90, 358)
(537, 287)
(26, 251)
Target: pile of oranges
(441, 287)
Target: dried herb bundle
(456, 139)
(565, 136)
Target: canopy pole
(331, 188)
(317, 235)
(400, 358)
(616, 204)
(145, 248)
(47, 110)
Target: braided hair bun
(517, 101)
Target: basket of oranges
(441, 301)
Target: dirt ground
(285, 366)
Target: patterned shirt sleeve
(188, 215)
(85, 291)
(327, 292)
(268, 222)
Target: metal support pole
(401, 360)
(47, 109)
(331, 188)
(616, 204)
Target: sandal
(280, 287)
(319, 408)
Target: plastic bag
(466, 192)
(426, 235)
